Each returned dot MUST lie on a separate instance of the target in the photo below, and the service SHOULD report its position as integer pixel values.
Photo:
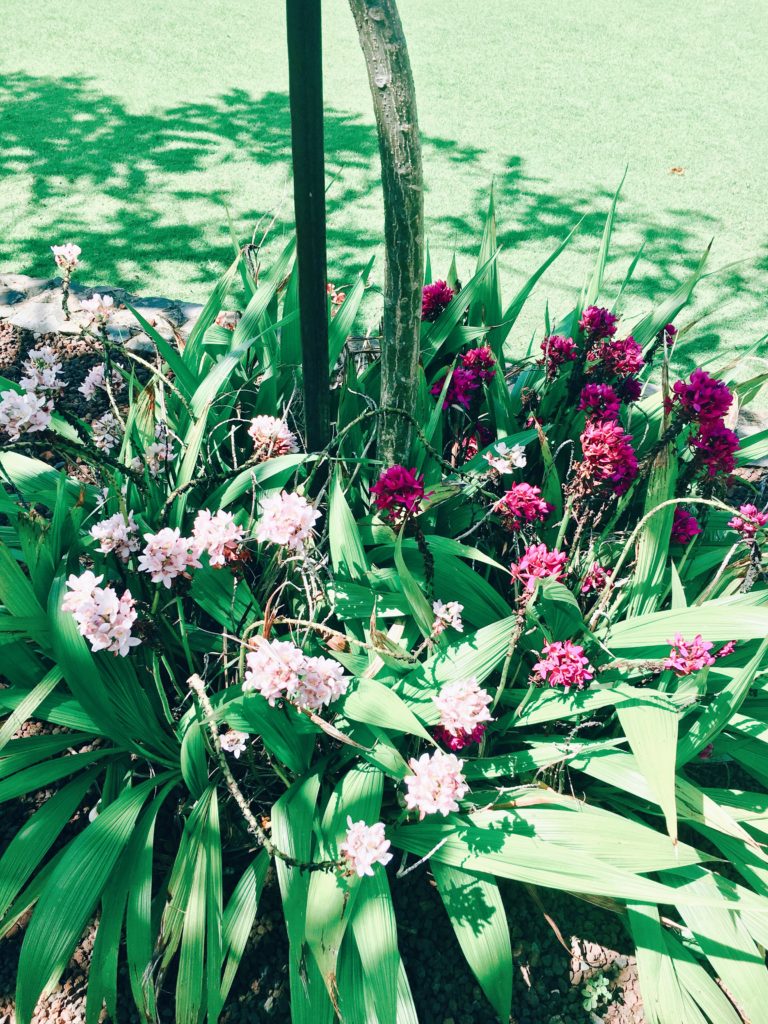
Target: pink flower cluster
(436, 785)
(271, 437)
(398, 493)
(522, 504)
(434, 298)
(119, 534)
(99, 308)
(95, 381)
(597, 322)
(538, 563)
(30, 410)
(477, 367)
(687, 656)
(596, 579)
(287, 520)
(749, 520)
(684, 526)
(463, 713)
(563, 664)
(218, 535)
(278, 669)
(167, 555)
(599, 402)
(364, 846)
(557, 351)
(103, 618)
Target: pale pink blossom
(687, 656)
(749, 520)
(66, 256)
(536, 564)
(271, 437)
(106, 432)
(436, 785)
(102, 618)
(218, 535)
(321, 681)
(99, 308)
(167, 555)
(286, 519)
(95, 381)
(234, 742)
(463, 707)
(277, 669)
(41, 371)
(118, 533)
(273, 669)
(23, 413)
(448, 614)
(364, 846)
(563, 664)
(505, 459)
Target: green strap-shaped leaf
(479, 920)
(652, 735)
(70, 895)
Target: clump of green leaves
(623, 672)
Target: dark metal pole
(305, 76)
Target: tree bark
(394, 101)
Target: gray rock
(140, 344)
(42, 318)
(29, 286)
(9, 296)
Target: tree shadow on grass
(145, 191)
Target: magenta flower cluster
(619, 358)
(684, 526)
(608, 455)
(557, 351)
(434, 298)
(563, 664)
(597, 322)
(398, 493)
(600, 402)
(702, 398)
(477, 367)
(705, 401)
(522, 504)
(538, 563)
(687, 656)
(749, 520)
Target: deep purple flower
(481, 362)
(463, 385)
(702, 398)
(600, 402)
(715, 446)
(684, 526)
(620, 358)
(598, 322)
(399, 492)
(557, 350)
(434, 298)
(629, 389)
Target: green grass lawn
(128, 127)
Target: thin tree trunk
(394, 101)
